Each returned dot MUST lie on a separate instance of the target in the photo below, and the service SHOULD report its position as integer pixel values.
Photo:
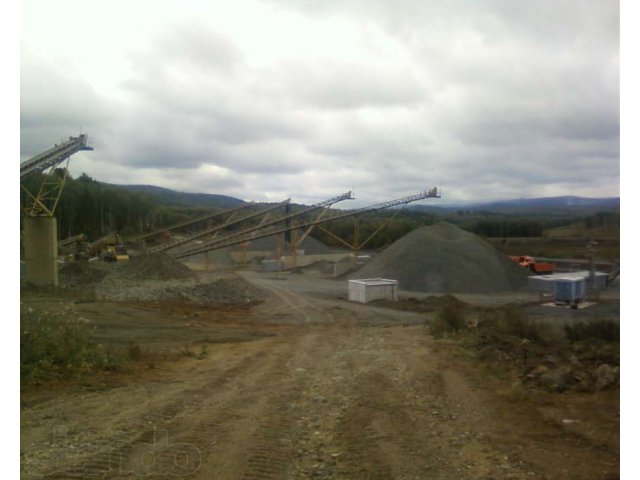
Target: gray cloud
(488, 99)
(335, 85)
(54, 106)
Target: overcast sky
(265, 100)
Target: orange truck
(539, 268)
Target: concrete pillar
(41, 250)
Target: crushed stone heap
(152, 266)
(443, 258)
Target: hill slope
(165, 196)
(543, 205)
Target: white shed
(368, 289)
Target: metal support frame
(187, 223)
(245, 245)
(357, 245)
(286, 218)
(44, 203)
(310, 229)
(228, 242)
(334, 236)
(177, 243)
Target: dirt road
(342, 391)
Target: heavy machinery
(70, 248)
(115, 253)
(109, 248)
(539, 268)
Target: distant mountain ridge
(525, 205)
(563, 201)
(166, 196)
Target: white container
(368, 289)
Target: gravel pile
(225, 291)
(153, 266)
(81, 275)
(157, 277)
(443, 258)
(203, 289)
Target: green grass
(59, 345)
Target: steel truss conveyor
(54, 156)
(43, 201)
(227, 242)
(216, 229)
(252, 233)
(188, 223)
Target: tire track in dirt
(260, 443)
(301, 304)
(440, 439)
(378, 431)
(114, 460)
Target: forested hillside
(95, 208)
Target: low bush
(134, 351)
(56, 345)
(448, 319)
(512, 321)
(604, 330)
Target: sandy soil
(330, 389)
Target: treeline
(356, 230)
(95, 209)
(89, 207)
(603, 220)
(507, 228)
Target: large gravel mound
(443, 258)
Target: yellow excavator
(109, 248)
(115, 253)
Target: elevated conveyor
(54, 156)
(224, 242)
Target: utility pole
(591, 251)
